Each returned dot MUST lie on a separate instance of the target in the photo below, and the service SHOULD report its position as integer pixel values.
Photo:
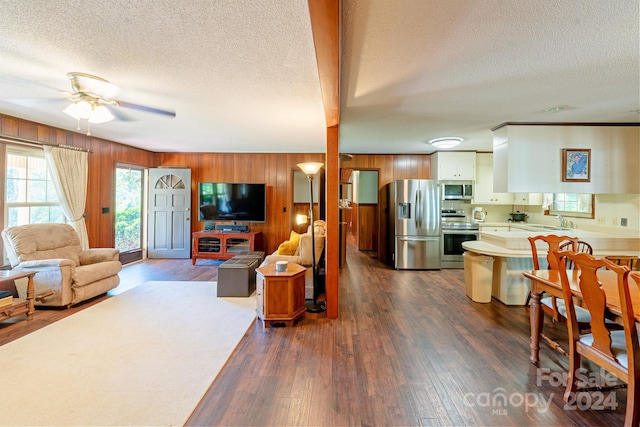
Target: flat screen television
(223, 201)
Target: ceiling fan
(92, 100)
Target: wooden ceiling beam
(325, 26)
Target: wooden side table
(19, 306)
(280, 295)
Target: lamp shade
(301, 219)
(89, 111)
(101, 114)
(78, 110)
(310, 168)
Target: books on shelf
(8, 300)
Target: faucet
(564, 223)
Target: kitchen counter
(513, 236)
(510, 249)
(490, 249)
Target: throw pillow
(290, 246)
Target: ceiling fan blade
(147, 109)
(119, 115)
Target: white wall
(528, 158)
(365, 187)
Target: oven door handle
(417, 239)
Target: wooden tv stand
(223, 244)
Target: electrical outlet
(623, 222)
(600, 220)
(614, 222)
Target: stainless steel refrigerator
(414, 224)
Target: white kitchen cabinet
(527, 199)
(483, 188)
(454, 166)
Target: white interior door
(169, 213)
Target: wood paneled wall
(102, 163)
(391, 167)
(275, 170)
(366, 226)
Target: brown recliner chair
(66, 274)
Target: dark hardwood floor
(409, 349)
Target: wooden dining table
(548, 281)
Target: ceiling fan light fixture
(73, 110)
(87, 111)
(446, 142)
(101, 114)
(83, 109)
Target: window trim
(572, 214)
(19, 150)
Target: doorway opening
(359, 210)
(130, 215)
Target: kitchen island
(510, 249)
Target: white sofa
(303, 254)
(66, 274)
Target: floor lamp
(311, 169)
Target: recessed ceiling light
(556, 109)
(446, 142)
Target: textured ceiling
(241, 75)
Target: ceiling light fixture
(89, 109)
(556, 109)
(446, 142)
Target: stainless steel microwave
(457, 190)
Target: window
(30, 196)
(570, 204)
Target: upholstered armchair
(66, 274)
(301, 253)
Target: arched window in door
(169, 181)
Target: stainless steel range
(455, 229)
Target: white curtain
(69, 171)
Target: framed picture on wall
(576, 164)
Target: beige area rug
(144, 357)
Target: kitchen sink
(549, 227)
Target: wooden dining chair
(553, 243)
(616, 351)
(555, 307)
(577, 246)
(630, 261)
